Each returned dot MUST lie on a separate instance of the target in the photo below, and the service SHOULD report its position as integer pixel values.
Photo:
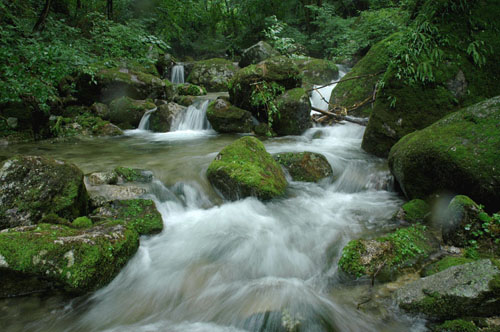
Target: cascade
(144, 124)
(320, 97)
(177, 74)
(194, 118)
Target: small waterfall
(144, 124)
(177, 74)
(194, 118)
(321, 96)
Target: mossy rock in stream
(305, 166)
(127, 113)
(414, 211)
(317, 71)
(387, 257)
(226, 118)
(83, 125)
(350, 92)
(32, 187)
(444, 264)
(257, 53)
(187, 89)
(293, 115)
(244, 168)
(403, 106)
(213, 74)
(456, 154)
(44, 256)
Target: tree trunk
(43, 16)
(109, 9)
(78, 5)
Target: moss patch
(305, 166)
(82, 222)
(443, 264)
(457, 325)
(416, 210)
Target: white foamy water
(177, 76)
(320, 97)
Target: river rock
(456, 154)
(317, 71)
(277, 73)
(294, 113)
(162, 119)
(188, 89)
(387, 257)
(32, 187)
(185, 100)
(465, 290)
(140, 214)
(127, 113)
(257, 53)
(305, 166)
(112, 83)
(244, 168)
(226, 118)
(213, 74)
(44, 256)
(414, 211)
(462, 219)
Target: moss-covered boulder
(139, 214)
(44, 256)
(244, 168)
(184, 100)
(350, 92)
(127, 174)
(257, 53)
(127, 113)
(443, 264)
(456, 154)
(305, 166)
(112, 83)
(32, 187)
(471, 289)
(317, 71)
(458, 325)
(226, 118)
(187, 89)
(404, 105)
(416, 210)
(213, 74)
(387, 257)
(162, 119)
(294, 113)
(253, 87)
(83, 125)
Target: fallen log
(337, 117)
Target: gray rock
(466, 290)
(257, 53)
(226, 118)
(213, 74)
(161, 120)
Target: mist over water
(232, 266)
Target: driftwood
(338, 117)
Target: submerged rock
(466, 290)
(32, 187)
(226, 118)
(387, 257)
(305, 166)
(127, 113)
(456, 154)
(213, 74)
(257, 53)
(162, 119)
(244, 168)
(41, 257)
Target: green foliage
(264, 95)
(457, 325)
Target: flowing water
(229, 266)
(177, 74)
(321, 95)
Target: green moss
(226, 118)
(305, 166)
(76, 260)
(350, 260)
(317, 71)
(187, 89)
(244, 168)
(416, 210)
(141, 215)
(127, 173)
(444, 264)
(82, 222)
(457, 325)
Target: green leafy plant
(264, 95)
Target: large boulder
(244, 168)
(293, 115)
(416, 210)
(213, 74)
(127, 113)
(350, 92)
(253, 87)
(83, 125)
(187, 89)
(317, 71)
(45, 256)
(388, 257)
(33, 187)
(226, 118)
(162, 119)
(471, 289)
(305, 166)
(456, 154)
(257, 53)
(111, 83)
(404, 104)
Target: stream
(230, 266)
